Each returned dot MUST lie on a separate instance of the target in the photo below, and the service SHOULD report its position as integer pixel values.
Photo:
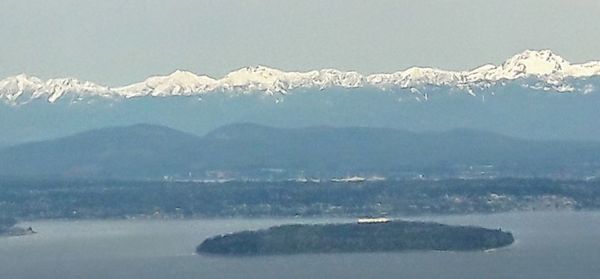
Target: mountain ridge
(539, 69)
(253, 151)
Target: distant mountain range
(255, 151)
(534, 95)
(541, 70)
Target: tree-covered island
(354, 237)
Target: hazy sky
(115, 42)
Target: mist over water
(548, 245)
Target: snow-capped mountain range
(539, 70)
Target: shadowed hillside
(150, 151)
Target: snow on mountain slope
(12, 88)
(530, 62)
(271, 81)
(539, 69)
(56, 88)
(179, 83)
(261, 78)
(23, 88)
(414, 77)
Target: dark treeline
(43, 198)
(333, 238)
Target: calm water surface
(548, 245)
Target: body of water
(548, 245)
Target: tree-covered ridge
(346, 238)
(247, 151)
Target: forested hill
(248, 150)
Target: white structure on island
(373, 220)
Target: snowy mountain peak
(536, 69)
(254, 74)
(175, 84)
(254, 78)
(260, 69)
(182, 74)
(54, 89)
(532, 62)
(13, 89)
(25, 77)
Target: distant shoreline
(93, 200)
(408, 217)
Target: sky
(115, 42)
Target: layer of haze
(118, 42)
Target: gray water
(548, 245)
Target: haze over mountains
(535, 95)
(249, 151)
